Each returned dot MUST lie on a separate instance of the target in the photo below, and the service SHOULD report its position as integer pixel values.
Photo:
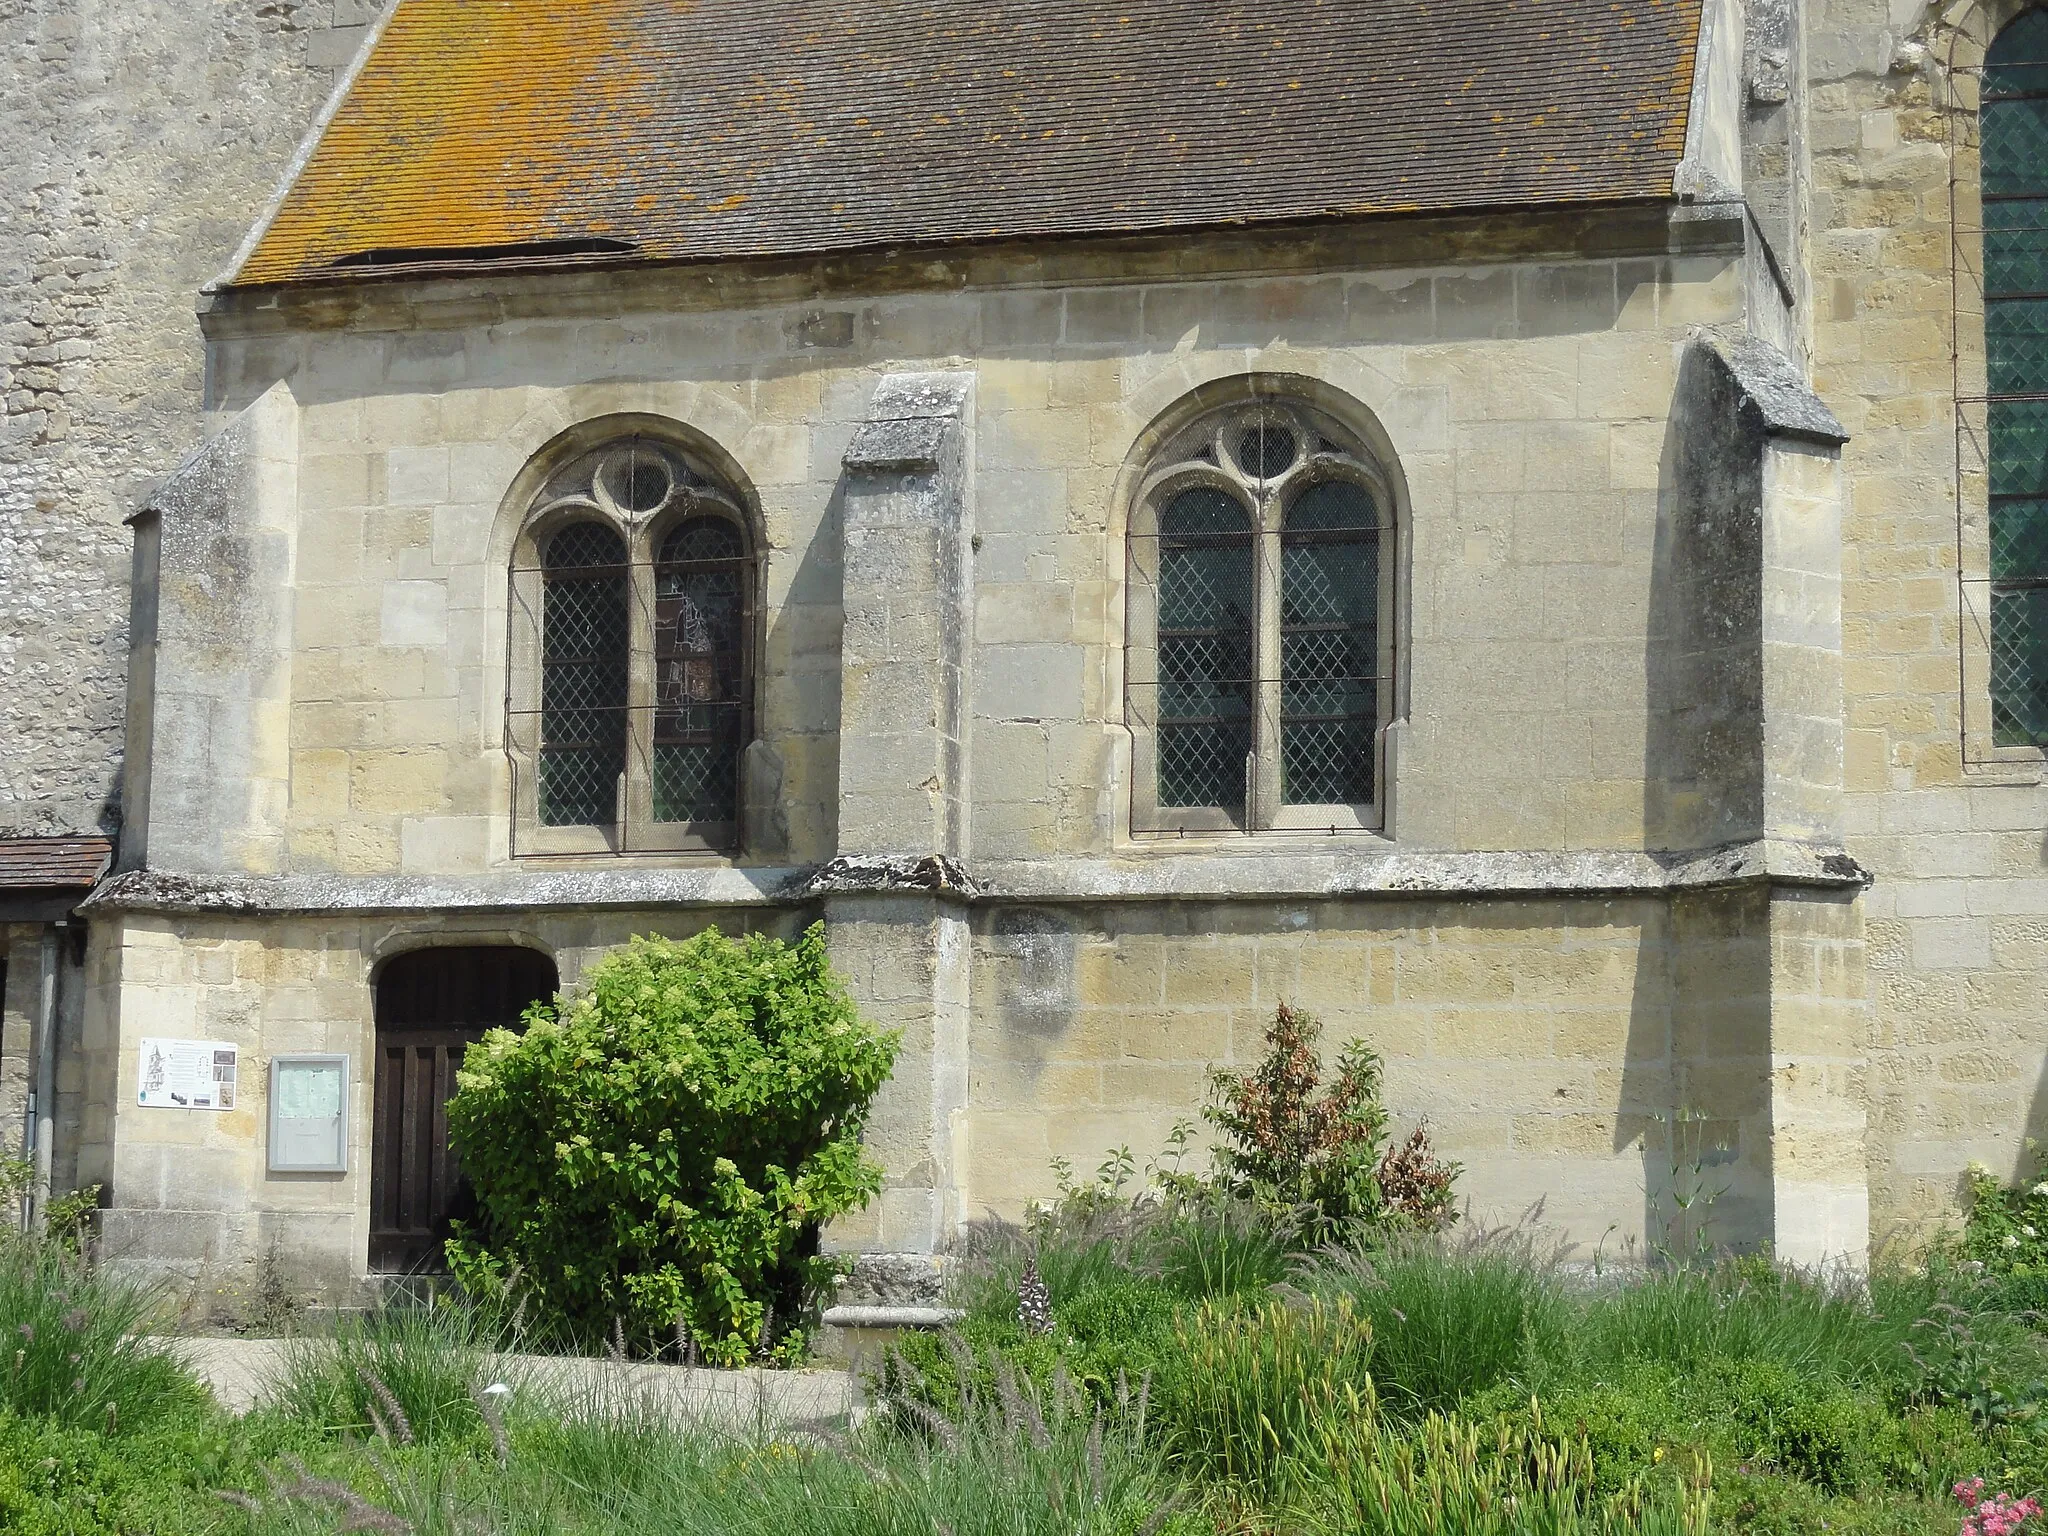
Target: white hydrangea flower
(2041, 1188)
(1980, 1169)
(2030, 1231)
(2011, 1241)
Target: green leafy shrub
(1813, 1428)
(1758, 1503)
(1988, 1364)
(660, 1153)
(65, 1216)
(1630, 1423)
(1755, 1415)
(1294, 1146)
(2006, 1226)
(160, 1481)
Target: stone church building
(1520, 526)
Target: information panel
(309, 1114)
(186, 1074)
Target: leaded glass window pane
(1206, 672)
(1329, 645)
(700, 597)
(584, 654)
(2014, 129)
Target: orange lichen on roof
(648, 129)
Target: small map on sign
(186, 1074)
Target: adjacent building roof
(559, 131)
(53, 863)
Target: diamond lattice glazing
(700, 621)
(2014, 125)
(584, 656)
(1205, 650)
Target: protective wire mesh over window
(583, 676)
(2014, 128)
(700, 581)
(633, 611)
(1258, 669)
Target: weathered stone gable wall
(1958, 916)
(142, 140)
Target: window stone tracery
(633, 655)
(1260, 662)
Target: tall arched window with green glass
(2013, 126)
(632, 654)
(1258, 672)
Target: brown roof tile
(692, 129)
(53, 863)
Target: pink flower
(1998, 1515)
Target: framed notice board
(309, 1114)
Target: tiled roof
(53, 863)
(577, 130)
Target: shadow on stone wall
(1695, 1086)
(2027, 1162)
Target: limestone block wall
(1525, 404)
(1954, 832)
(1572, 1053)
(191, 1195)
(142, 141)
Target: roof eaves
(337, 275)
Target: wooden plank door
(432, 1005)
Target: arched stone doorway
(432, 1004)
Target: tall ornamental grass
(1451, 1318)
(415, 1374)
(75, 1346)
(1018, 1462)
(1452, 1479)
(1250, 1393)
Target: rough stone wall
(142, 140)
(1958, 916)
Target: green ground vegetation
(1169, 1354)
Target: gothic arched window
(632, 655)
(1259, 669)
(2013, 126)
